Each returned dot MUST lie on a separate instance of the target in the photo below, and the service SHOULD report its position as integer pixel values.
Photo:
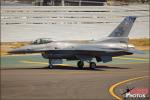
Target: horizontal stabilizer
(134, 51)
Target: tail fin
(123, 29)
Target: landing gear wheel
(92, 65)
(50, 66)
(80, 64)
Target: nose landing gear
(50, 66)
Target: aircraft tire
(80, 64)
(92, 65)
(50, 66)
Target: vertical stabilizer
(123, 29)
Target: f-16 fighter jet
(116, 44)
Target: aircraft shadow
(98, 68)
(62, 67)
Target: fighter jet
(103, 50)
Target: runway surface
(27, 77)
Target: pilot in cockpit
(42, 41)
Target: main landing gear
(92, 65)
(80, 65)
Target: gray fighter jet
(116, 44)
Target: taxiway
(27, 77)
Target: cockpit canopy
(42, 41)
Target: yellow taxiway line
(33, 62)
(111, 89)
(27, 61)
(135, 63)
(45, 63)
(130, 58)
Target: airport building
(31, 22)
(69, 2)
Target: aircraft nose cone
(11, 51)
(18, 50)
(15, 51)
